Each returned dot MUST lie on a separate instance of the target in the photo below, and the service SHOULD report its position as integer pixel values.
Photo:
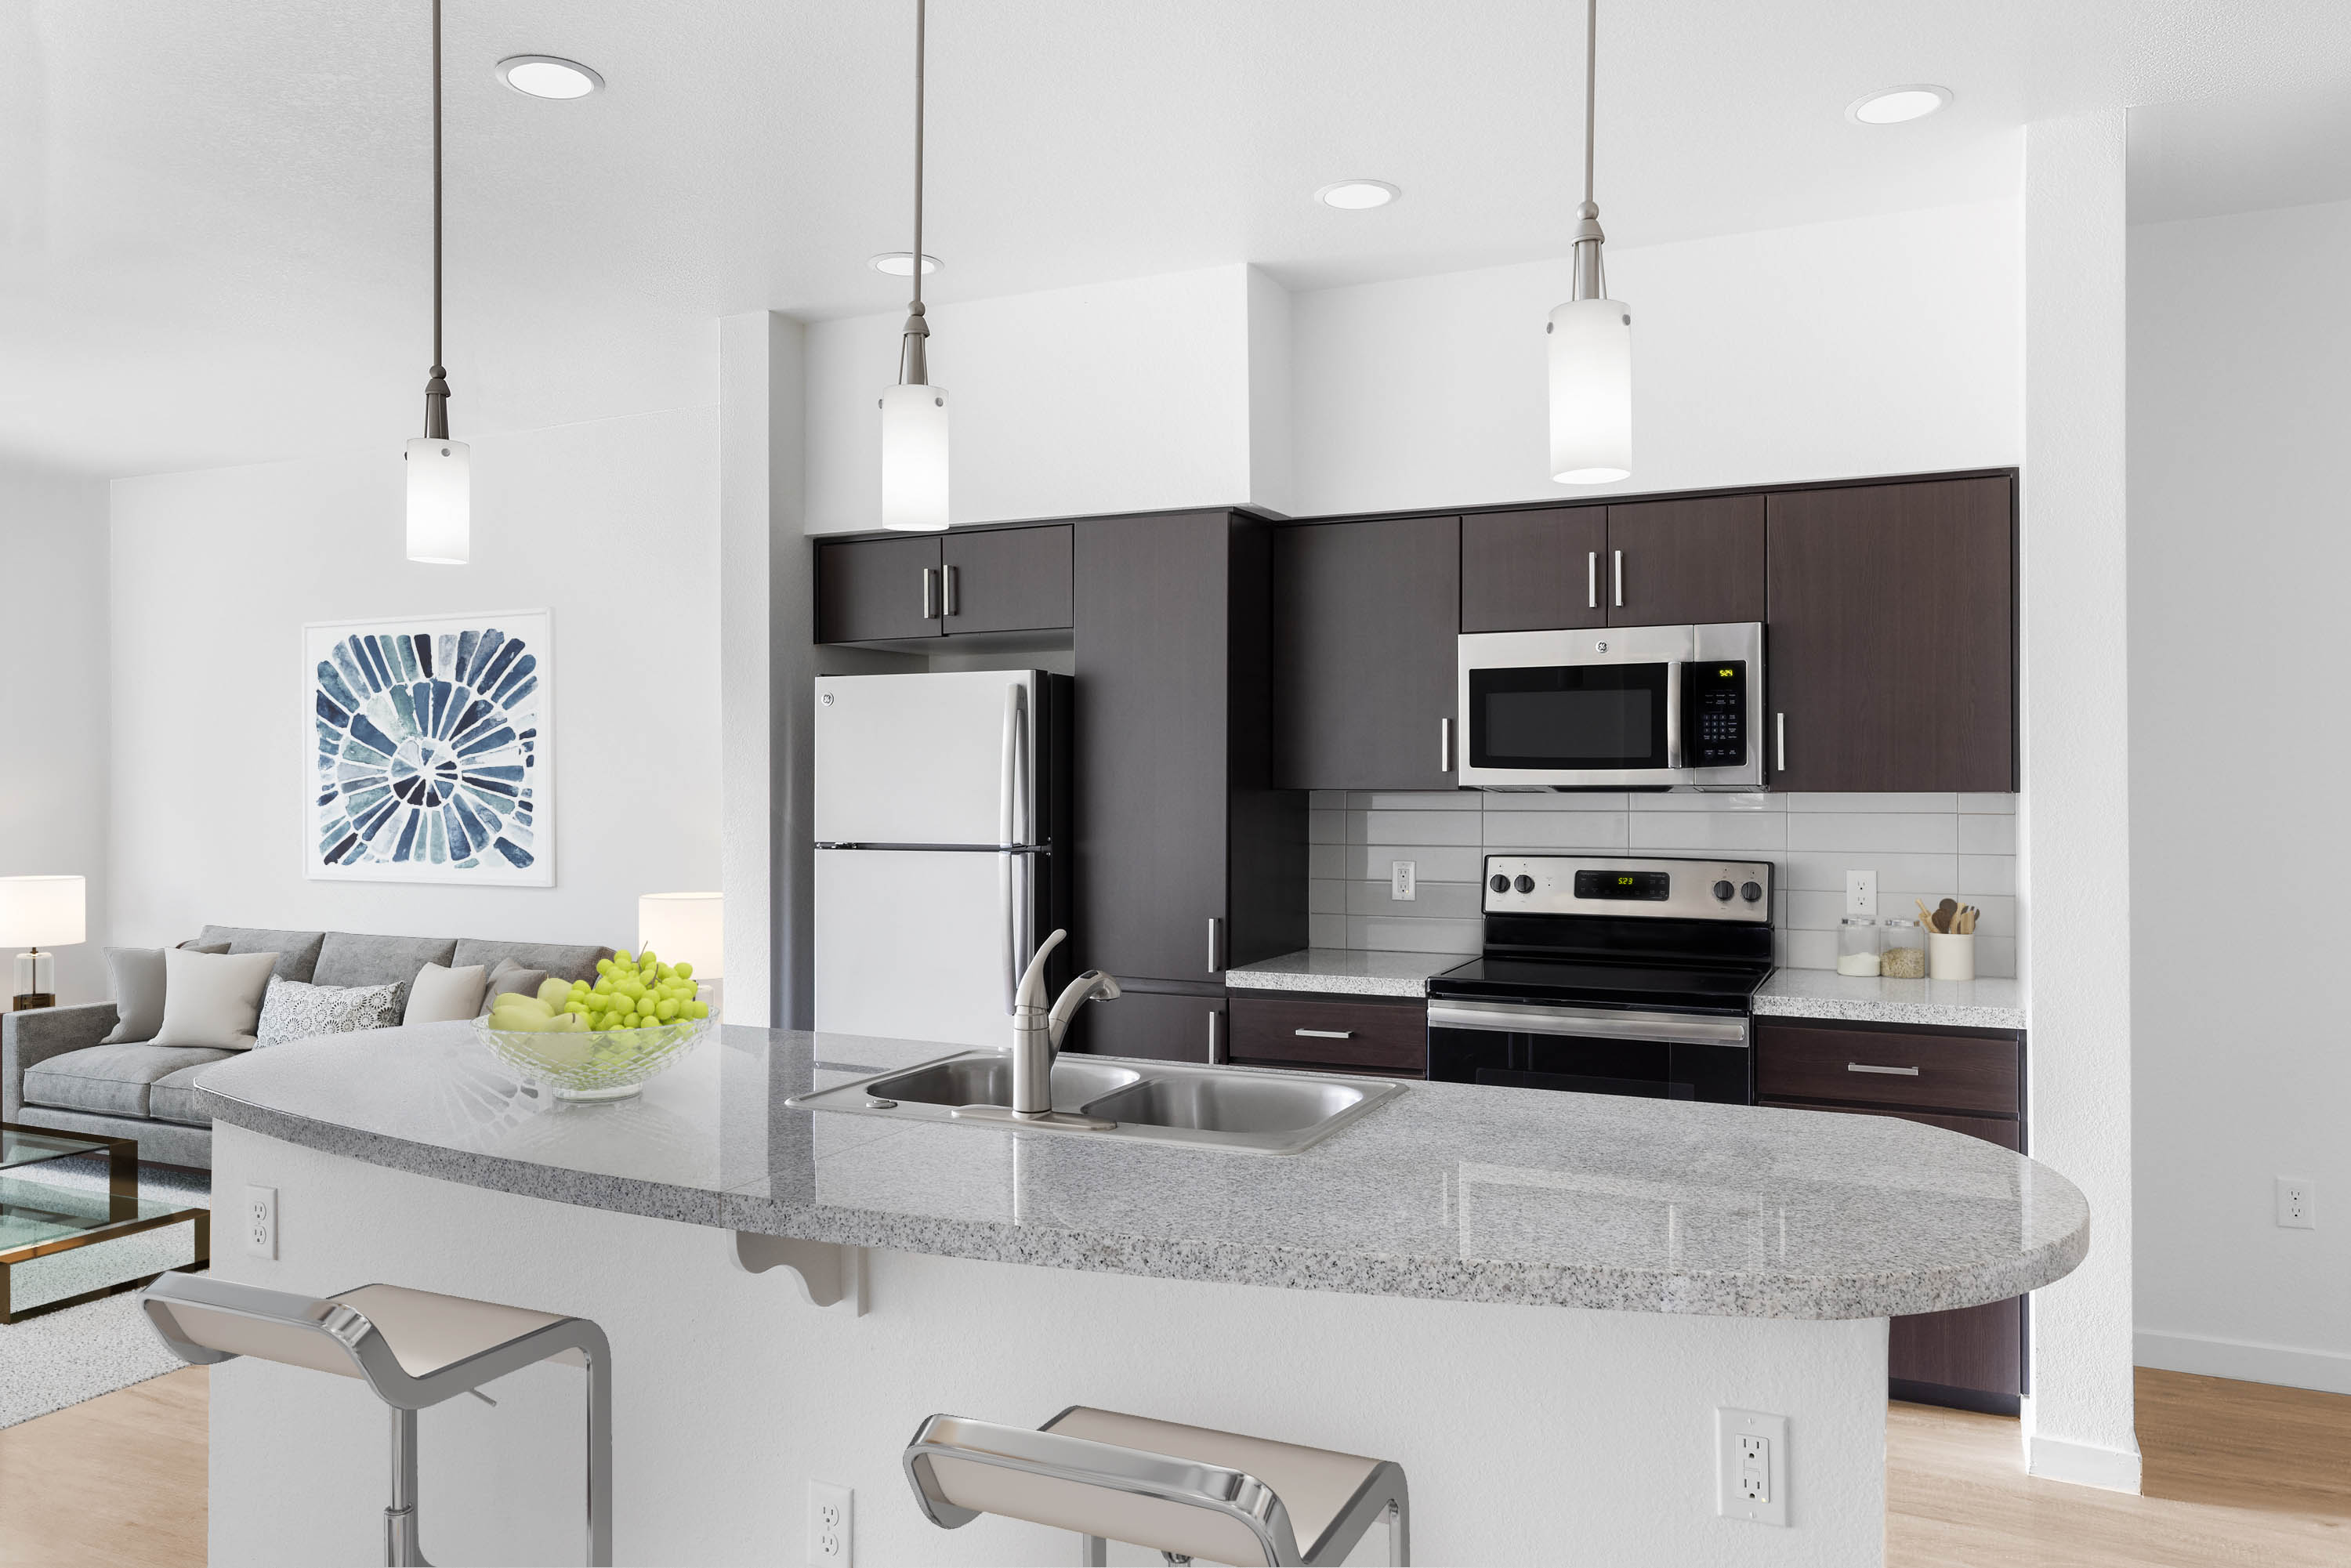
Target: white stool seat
(1314, 1484)
(428, 1333)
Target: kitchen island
(1534, 1302)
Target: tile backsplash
(1929, 846)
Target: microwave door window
(1601, 718)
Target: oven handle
(1500, 1017)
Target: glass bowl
(593, 1064)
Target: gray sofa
(55, 1073)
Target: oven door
(1590, 1050)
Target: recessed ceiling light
(1897, 104)
(1356, 195)
(900, 262)
(546, 75)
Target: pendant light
(1590, 337)
(915, 413)
(440, 471)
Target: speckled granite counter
(1343, 971)
(1957, 1004)
(1450, 1192)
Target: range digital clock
(1650, 885)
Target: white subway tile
(1739, 831)
(1996, 956)
(1435, 900)
(1811, 950)
(1692, 800)
(1413, 800)
(1326, 895)
(1602, 830)
(1987, 875)
(1904, 832)
(1327, 860)
(1420, 827)
(1989, 805)
(1818, 800)
(1326, 930)
(1433, 862)
(1326, 827)
(1817, 911)
(1824, 871)
(1464, 936)
(1326, 800)
(1980, 835)
(1557, 801)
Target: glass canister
(1858, 945)
(1903, 954)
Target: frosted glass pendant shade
(440, 501)
(914, 456)
(1590, 345)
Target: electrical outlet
(2297, 1206)
(832, 1516)
(261, 1221)
(1403, 881)
(1751, 1466)
(1861, 893)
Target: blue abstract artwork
(429, 755)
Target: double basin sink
(1157, 1102)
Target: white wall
(2240, 546)
(53, 697)
(1885, 345)
(2073, 818)
(612, 524)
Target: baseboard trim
(2247, 1361)
(1974, 1399)
(2082, 1464)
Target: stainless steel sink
(1146, 1101)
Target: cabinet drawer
(2008, 1135)
(1888, 1067)
(1383, 1037)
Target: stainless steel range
(1610, 976)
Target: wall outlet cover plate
(830, 1521)
(1750, 1466)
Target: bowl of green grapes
(600, 1040)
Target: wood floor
(2235, 1473)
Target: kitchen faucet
(1037, 1033)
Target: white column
(765, 604)
(2075, 817)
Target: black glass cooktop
(1712, 987)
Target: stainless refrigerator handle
(1215, 944)
(1780, 739)
(1445, 746)
(947, 591)
(1215, 1041)
(1592, 579)
(1620, 578)
(1010, 868)
(930, 593)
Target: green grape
(684, 971)
(667, 971)
(697, 1009)
(604, 966)
(667, 1010)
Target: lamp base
(33, 999)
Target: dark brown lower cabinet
(1388, 1035)
(1162, 1025)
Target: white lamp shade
(43, 911)
(1591, 392)
(914, 457)
(685, 926)
(440, 501)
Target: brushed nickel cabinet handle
(1215, 944)
(1592, 579)
(1620, 579)
(947, 591)
(1445, 746)
(1325, 1033)
(930, 593)
(1889, 1072)
(1780, 739)
(1216, 1039)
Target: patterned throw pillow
(293, 1011)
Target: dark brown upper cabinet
(1364, 620)
(1535, 571)
(1892, 651)
(1187, 860)
(1674, 563)
(951, 584)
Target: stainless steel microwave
(1614, 708)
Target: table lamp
(688, 927)
(36, 911)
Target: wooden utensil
(1926, 915)
(1947, 914)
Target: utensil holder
(1950, 956)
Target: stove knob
(1501, 883)
(1722, 891)
(1525, 884)
(1750, 891)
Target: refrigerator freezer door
(923, 759)
(915, 943)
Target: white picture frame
(462, 797)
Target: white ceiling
(213, 214)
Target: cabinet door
(1365, 619)
(1152, 731)
(1006, 580)
(1161, 1027)
(1892, 658)
(1673, 563)
(1535, 571)
(869, 590)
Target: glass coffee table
(40, 1218)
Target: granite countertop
(1344, 971)
(1824, 994)
(1448, 1191)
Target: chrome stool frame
(1186, 1507)
(206, 1320)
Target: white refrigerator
(942, 809)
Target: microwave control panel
(1714, 713)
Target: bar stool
(416, 1349)
(1189, 1492)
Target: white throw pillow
(443, 995)
(213, 998)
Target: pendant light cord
(913, 360)
(436, 385)
(1591, 82)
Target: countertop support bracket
(828, 1271)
